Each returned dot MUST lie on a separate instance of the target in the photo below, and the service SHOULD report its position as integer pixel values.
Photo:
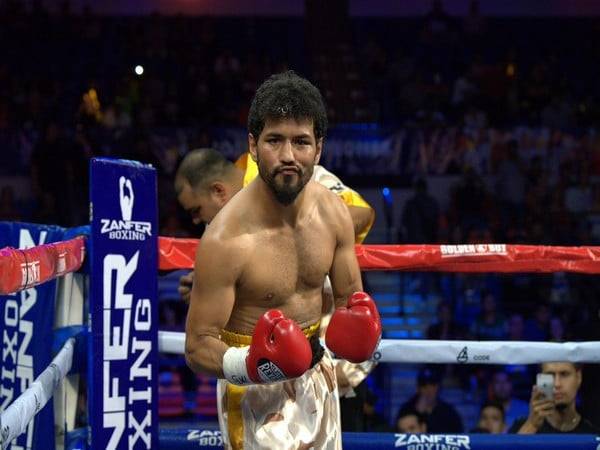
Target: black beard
(286, 193)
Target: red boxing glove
(355, 330)
(279, 351)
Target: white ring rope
(14, 420)
(444, 352)
(486, 352)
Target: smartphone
(545, 384)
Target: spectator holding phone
(552, 406)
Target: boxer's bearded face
(286, 153)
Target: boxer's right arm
(217, 267)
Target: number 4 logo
(463, 356)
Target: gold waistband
(242, 340)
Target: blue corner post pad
(80, 333)
(127, 162)
(83, 230)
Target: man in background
(410, 421)
(491, 418)
(557, 414)
(501, 391)
(440, 417)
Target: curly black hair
(287, 95)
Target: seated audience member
(537, 327)
(359, 414)
(351, 410)
(374, 422)
(501, 390)
(490, 325)
(410, 421)
(556, 330)
(516, 327)
(440, 417)
(445, 328)
(558, 414)
(520, 374)
(491, 418)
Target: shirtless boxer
(256, 301)
(205, 181)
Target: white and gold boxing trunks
(302, 413)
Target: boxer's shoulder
(331, 207)
(226, 243)
(229, 236)
(323, 195)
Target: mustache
(282, 168)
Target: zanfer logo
(206, 437)
(126, 198)
(126, 229)
(432, 442)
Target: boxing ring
(110, 336)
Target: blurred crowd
(475, 70)
(494, 102)
(520, 111)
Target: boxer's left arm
(345, 272)
(355, 327)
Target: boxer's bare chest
(286, 263)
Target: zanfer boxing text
(206, 437)
(119, 310)
(129, 230)
(432, 442)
